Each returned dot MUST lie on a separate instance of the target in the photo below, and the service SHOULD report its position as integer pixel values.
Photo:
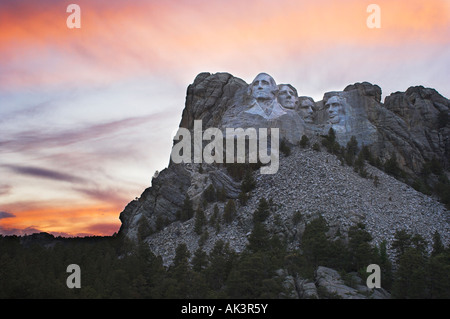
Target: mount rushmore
(412, 124)
(410, 128)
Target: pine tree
(438, 275)
(304, 142)
(243, 198)
(248, 183)
(402, 241)
(420, 244)
(263, 211)
(253, 277)
(359, 165)
(297, 217)
(351, 150)
(316, 147)
(144, 229)
(187, 211)
(259, 239)
(385, 266)
(330, 142)
(220, 260)
(410, 281)
(229, 211)
(200, 221)
(254, 274)
(180, 273)
(215, 215)
(221, 194)
(200, 260)
(210, 194)
(438, 246)
(367, 155)
(315, 244)
(391, 167)
(361, 252)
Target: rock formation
(413, 126)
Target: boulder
(330, 281)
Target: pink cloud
(316, 46)
(120, 39)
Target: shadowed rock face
(419, 132)
(412, 125)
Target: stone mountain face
(407, 124)
(411, 125)
(423, 128)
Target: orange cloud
(120, 38)
(71, 220)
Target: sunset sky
(87, 115)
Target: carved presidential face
(287, 96)
(264, 87)
(306, 111)
(335, 109)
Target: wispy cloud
(6, 215)
(5, 189)
(45, 173)
(45, 139)
(114, 196)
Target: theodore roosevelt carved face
(287, 96)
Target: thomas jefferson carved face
(287, 96)
(306, 111)
(264, 87)
(335, 109)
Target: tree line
(113, 267)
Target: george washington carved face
(263, 87)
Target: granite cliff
(409, 130)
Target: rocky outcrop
(167, 194)
(306, 289)
(411, 125)
(209, 96)
(160, 201)
(330, 283)
(422, 131)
